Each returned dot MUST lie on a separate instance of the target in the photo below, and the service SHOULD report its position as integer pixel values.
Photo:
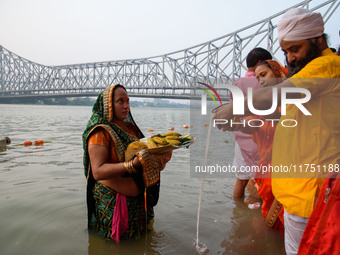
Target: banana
(171, 134)
(173, 142)
(151, 143)
(168, 138)
(187, 136)
(185, 139)
(172, 137)
(160, 140)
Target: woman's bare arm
(110, 174)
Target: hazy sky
(58, 32)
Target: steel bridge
(173, 75)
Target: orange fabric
(264, 137)
(266, 194)
(322, 232)
(278, 70)
(101, 137)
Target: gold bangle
(129, 167)
(126, 165)
(132, 168)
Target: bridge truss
(173, 75)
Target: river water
(42, 192)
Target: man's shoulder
(329, 59)
(326, 66)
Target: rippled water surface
(42, 192)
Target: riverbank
(88, 101)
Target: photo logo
(238, 99)
(204, 97)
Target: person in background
(246, 153)
(269, 73)
(116, 188)
(4, 142)
(314, 140)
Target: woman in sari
(269, 73)
(120, 194)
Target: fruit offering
(155, 144)
(166, 139)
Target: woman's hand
(157, 161)
(136, 163)
(163, 159)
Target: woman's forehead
(120, 92)
(262, 68)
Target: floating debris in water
(201, 248)
(254, 206)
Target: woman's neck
(126, 126)
(120, 123)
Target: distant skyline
(61, 32)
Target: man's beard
(295, 66)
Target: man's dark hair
(256, 55)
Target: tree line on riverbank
(90, 101)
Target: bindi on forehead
(120, 93)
